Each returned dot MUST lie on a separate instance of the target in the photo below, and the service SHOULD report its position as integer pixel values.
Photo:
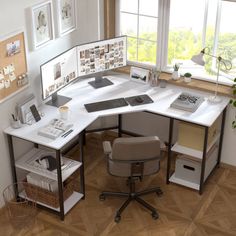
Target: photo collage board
(59, 72)
(13, 65)
(101, 56)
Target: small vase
(187, 79)
(175, 75)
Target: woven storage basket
(48, 197)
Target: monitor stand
(58, 100)
(100, 82)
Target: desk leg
(81, 154)
(119, 125)
(169, 150)
(221, 136)
(203, 161)
(59, 179)
(12, 160)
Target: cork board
(13, 65)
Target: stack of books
(42, 182)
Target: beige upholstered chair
(133, 158)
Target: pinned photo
(13, 48)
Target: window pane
(147, 52)
(148, 28)
(227, 36)
(132, 49)
(128, 24)
(148, 7)
(129, 6)
(185, 31)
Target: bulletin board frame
(13, 65)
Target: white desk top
(82, 93)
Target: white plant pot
(187, 79)
(175, 75)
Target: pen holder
(16, 124)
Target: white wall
(13, 16)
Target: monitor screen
(82, 60)
(100, 56)
(57, 73)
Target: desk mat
(139, 100)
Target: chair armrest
(107, 147)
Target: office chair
(133, 158)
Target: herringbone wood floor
(182, 211)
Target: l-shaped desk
(82, 93)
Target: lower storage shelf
(183, 182)
(68, 203)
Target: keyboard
(104, 105)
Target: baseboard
(227, 166)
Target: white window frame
(163, 37)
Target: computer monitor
(56, 74)
(98, 57)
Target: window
(139, 20)
(162, 32)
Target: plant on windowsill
(187, 77)
(233, 103)
(175, 73)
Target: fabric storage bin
(189, 168)
(192, 136)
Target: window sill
(194, 84)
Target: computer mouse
(139, 99)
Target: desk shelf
(68, 203)
(183, 182)
(193, 152)
(28, 162)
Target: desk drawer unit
(189, 169)
(192, 136)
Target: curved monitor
(56, 74)
(101, 56)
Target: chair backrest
(126, 151)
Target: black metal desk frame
(59, 176)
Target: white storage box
(189, 168)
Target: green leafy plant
(188, 75)
(233, 103)
(176, 67)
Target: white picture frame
(139, 74)
(66, 16)
(42, 24)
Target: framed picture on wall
(66, 16)
(42, 24)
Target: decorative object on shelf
(233, 103)
(187, 77)
(66, 16)
(175, 73)
(42, 24)
(139, 74)
(198, 59)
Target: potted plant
(187, 77)
(175, 74)
(233, 103)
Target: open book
(54, 129)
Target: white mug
(64, 112)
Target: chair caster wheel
(117, 218)
(155, 215)
(102, 197)
(159, 193)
